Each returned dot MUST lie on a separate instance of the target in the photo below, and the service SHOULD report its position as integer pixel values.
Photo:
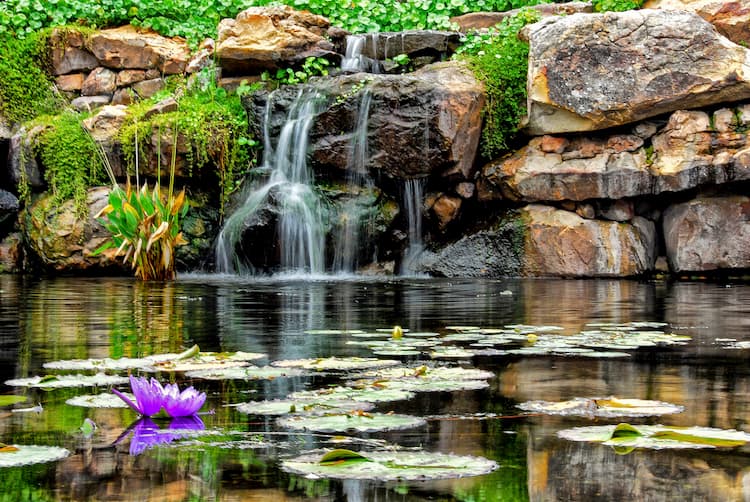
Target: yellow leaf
(158, 234)
(104, 211)
(178, 202)
(166, 257)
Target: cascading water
(412, 201)
(354, 59)
(289, 184)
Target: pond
(236, 455)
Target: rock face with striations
(263, 38)
(131, 47)
(730, 17)
(594, 71)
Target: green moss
(500, 60)
(26, 90)
(70, 158)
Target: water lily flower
(146, 434)
(149, 396)
(182, 404)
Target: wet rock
(63, 243)
(262, 38)
(11, 254)
(99, 82)
(465, 189)
(593, 71)
(480, 20)
(413, 43)
(492, 253)
(423, 123)
(585, 168)
(561, 243)
(8, 210)
(134, 48)
(445, 210)
(708, 233)
(199, 228)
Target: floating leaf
(369, 394)
(392, 466)
(333, 332)
(246, 373)
(68, 381)
(103, 400)
(341, 455)
(610, 407)
(627, 436)
(301, 406)
(9, 400)
(351, 422)
(190, 359)
(336, 363)
(451, 353)
(31, 454)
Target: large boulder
(64, 243)
(263, 38)
(8, 211)
(413, 43)
(68, 53)
(129, 47)
(480, 20)
(594, 71)
(730, 17)
(424, 123)
(561, 243)
(708, 233)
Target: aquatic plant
(147, 434)
(151, 397)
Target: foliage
(146, 226)
(616, 5)
(197, 19)
(500, 59)
(25, 89)
(69, 156)
(212, 123)
(312, 67)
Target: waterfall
(412, 204)
(354, 59)
(289, 185)
(348, 241)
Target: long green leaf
(341, 456)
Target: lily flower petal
(182, 404)
(149, 396)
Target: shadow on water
(44, 320)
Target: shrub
(500, 59)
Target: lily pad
(205, 361)
(157, 362)
(626, 436)
(427, 373)
(369, 394)
(351, 422)
(336, 363)
(300, 406)
(333, 331)
(246, 373)
(62, 381)
(103, 400)
(608, 407)
(427, 385)
(390, 466)
(31, 454)
(451, 353)
(9, 400)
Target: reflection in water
(42, 320)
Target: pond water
(67, 318)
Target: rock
(5, 132)
(129, 47)
(99, 82)
(586, 211)
(72, 82)
(616, 210)
(561, 243)
(130, 77)
(164, 106)
(445, 210)
(263, 38)
(587, 168)
(199, 227)
(62, 242)
(413, 43)
(203, 57)
(427, 122)
(594, 71)
(89, 103)
(11, 254)
(147, 88)
(708, 233)
(730, 18)
(68, 53)
(481, 20)
(691, 152)
(8, 210)
(22, 163)
(124, 96)
(491, 253)
(465, 189)
(106, 123)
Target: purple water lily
(146, 434)
(182, 404)
(151, 396)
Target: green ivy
(499, 58)
(70, 158)
(616, 5)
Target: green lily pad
(205, 361)
(333, 332)
(451, 353)
(360, 422)
(370, 394)
(397, 352)
(10, 400)
(426, 373)
(301, 406)
(158, 362)
(31, 454)
(608, 407)
(427, 385)
(390, 466)
(336, 363)
(103, 400)
(246, 373)
(626, 436)
(62, 381)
